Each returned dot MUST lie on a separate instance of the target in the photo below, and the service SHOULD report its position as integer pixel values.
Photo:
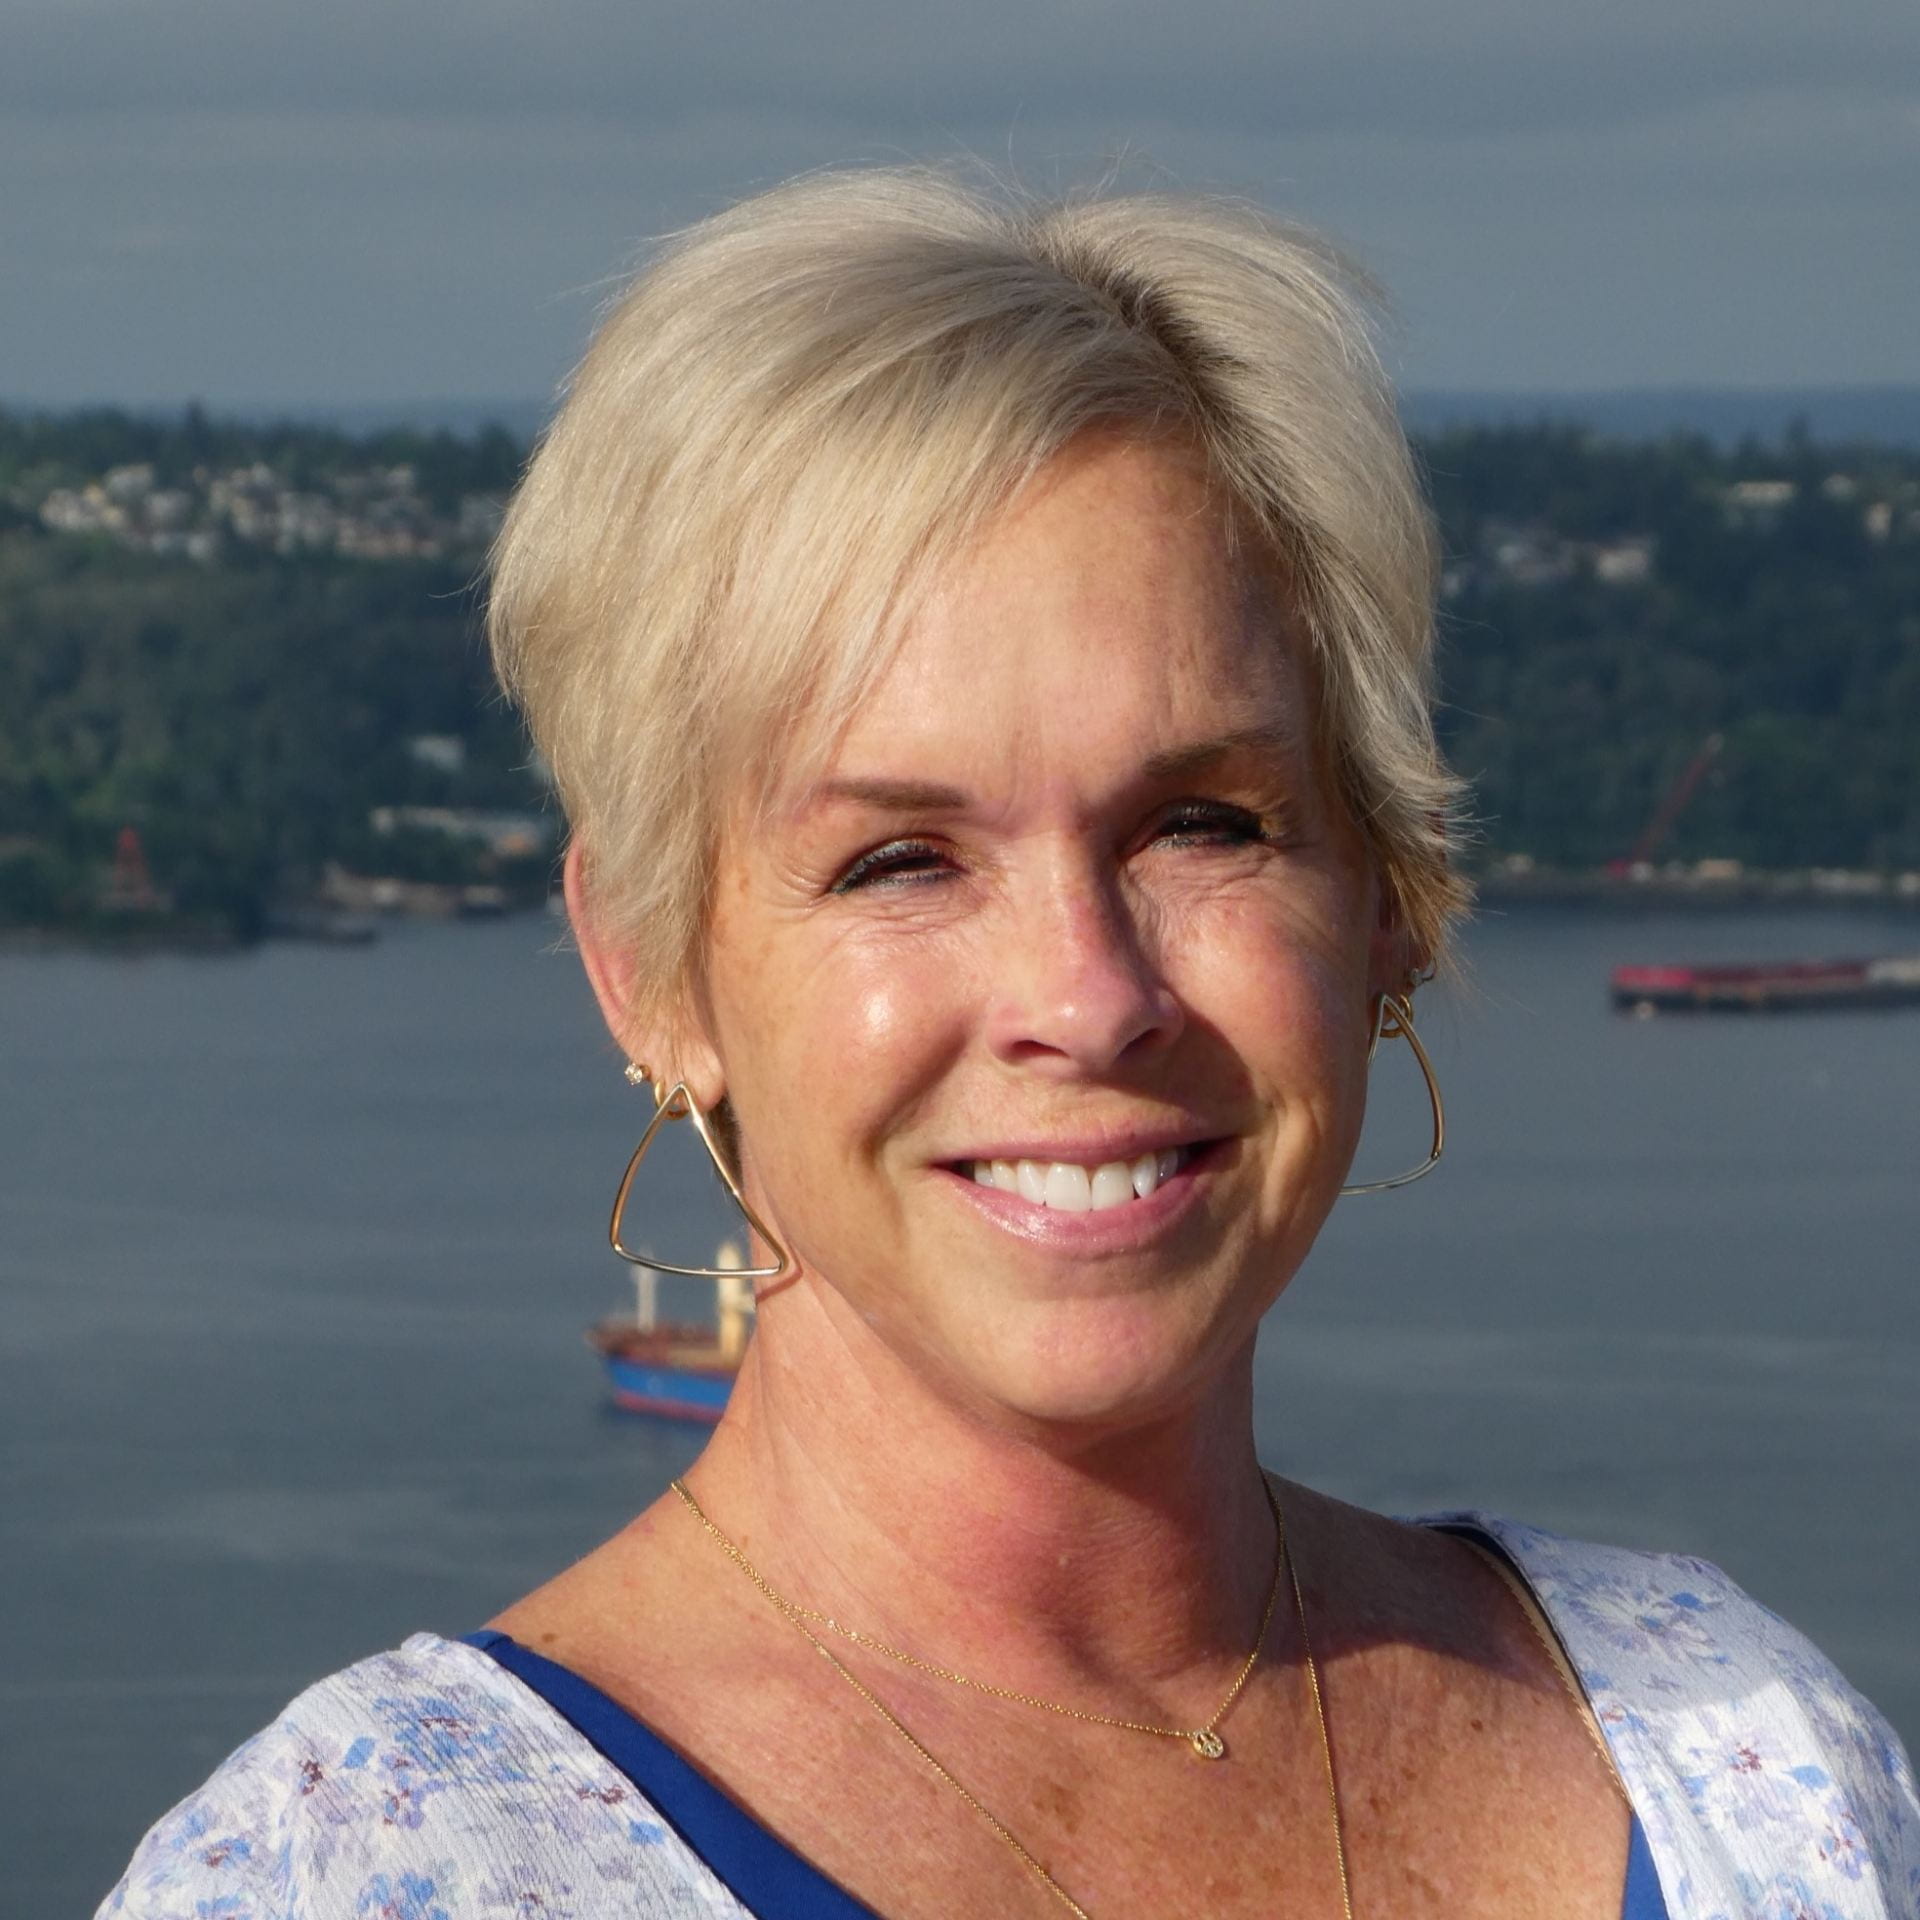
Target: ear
(1394, 956)
(669, 1048)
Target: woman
(984, 658)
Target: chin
(1095, 1367)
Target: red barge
(1776, 987)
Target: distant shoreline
(1604, 894)
(136, 942)
(1820, 890)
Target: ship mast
(646, 1298)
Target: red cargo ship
(1776, 987)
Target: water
(299, 1246)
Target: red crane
(1671, 808)
(130, 887)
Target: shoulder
(1756, 1768)
(426, 1784)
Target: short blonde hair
(804, 404)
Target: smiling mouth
(1066, 1186)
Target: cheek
(1312, 1063)
(1286, 987)
(841, 1050)
(1286, 992)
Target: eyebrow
(1273, 739)
(895, 796)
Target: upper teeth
(1070, 1188)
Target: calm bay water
(299, 1245)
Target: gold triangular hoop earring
(677, 1105)
(1393, 1019)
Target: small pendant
(1207, 1744)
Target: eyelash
(888, 866)
(1196, 823)
(1213, 821)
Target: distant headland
(1883, 414)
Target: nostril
(1094, 1027)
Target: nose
(1079, 987)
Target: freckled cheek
(1302, 1043)
(1319, 1090)
(857, 1043)
(1339, 1100)
(1289, 1001)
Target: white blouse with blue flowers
(430, 1784)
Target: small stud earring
(636, 1073)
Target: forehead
(1109, 614)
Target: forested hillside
(1608, 608)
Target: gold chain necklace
(1204, 1741)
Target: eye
(898, 863)
(1201, 823)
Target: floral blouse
(429, 1784)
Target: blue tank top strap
(1643, 1899)
(762, 1872)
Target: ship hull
(1786, 987)
(670, 1393)
(674, 1373)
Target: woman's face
(1044, 1015)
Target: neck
(1041, 1559)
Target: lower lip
(1105, 1230)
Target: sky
(371, 201)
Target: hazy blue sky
(368, 200)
